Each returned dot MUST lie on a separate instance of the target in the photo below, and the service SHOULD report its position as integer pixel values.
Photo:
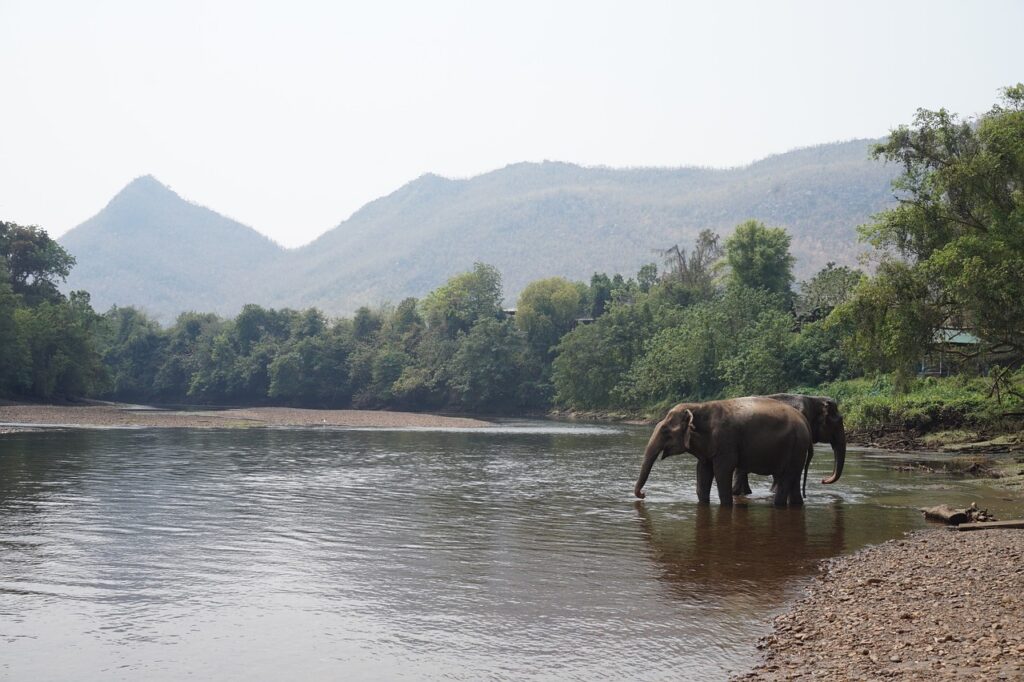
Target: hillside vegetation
(720, 315)
(150, 248)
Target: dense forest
(714, 318)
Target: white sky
(290, 116)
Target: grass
(958, 406)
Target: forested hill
(152, 249)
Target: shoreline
(24, 417)
(934, 604)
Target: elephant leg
(723, 478)
(705, 474)
(795, 498)
(782, 489)
(740, 483)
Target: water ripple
(511, 552)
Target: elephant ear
(832, 407)
(688, 421)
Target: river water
(514, 552)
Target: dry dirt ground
(938, 604)
(117, 415)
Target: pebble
(936, 605)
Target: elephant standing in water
(756, 435)
(822, 414)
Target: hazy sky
(290, 116)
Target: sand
(22, 417)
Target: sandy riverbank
(25, 416)
(937, 604)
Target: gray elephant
(757, 435)
(822, 414)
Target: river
(513, 552)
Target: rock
(948, 605)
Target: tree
(600, 294)
(35, 263)
(591, 360)
(890, 320)
(730, 345)
(14, 357)
(829, 287)
(695, 270)
(188, 351)
(365, 324)
(647, 276)
(955, 242)
(490, 366)
(62, 358)
(758, 258)
(131, 345)
(546, 311)
(464, 299)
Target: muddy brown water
(513, 552)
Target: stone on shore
(935, 605)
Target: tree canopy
(952, 251)
(758, 258)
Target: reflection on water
(517, 552)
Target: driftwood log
(955, 517)
(1016, 523)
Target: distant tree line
(718, 318)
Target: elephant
(758, 435)
(822, 414)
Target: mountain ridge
(151, 248)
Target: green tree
(829, 287)
(488, 370)
(757, 365)
(313, 371)
(36, 264)
(758, 258)
(14, 358)
(188, 351)
(818, 354)
(464, 299)
(62, 358)
(547, 309)
(365, 324)
(592, 359)
(600, 294)
(132, 346)
(717, 347)
(890, 320)
(955, 242)
(647, 276)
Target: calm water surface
(516, 552)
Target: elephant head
(826, 424)
(671, 437)
(828, 427)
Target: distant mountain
(529, 220)
(150, 248)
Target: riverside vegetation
(718, 318)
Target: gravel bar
(936, 605)
(17, 417)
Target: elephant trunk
(654, 447)
(839, 450)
